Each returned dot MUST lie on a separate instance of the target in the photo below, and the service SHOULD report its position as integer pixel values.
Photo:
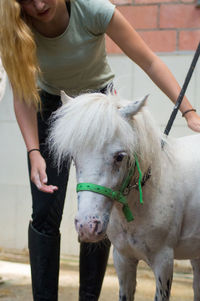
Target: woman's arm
(27, 119)
(123, 34)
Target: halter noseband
(119, 195)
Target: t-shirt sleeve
(98, 14)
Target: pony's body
(171, 209)
(167, 224)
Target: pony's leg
(162, 266)
(196, 278)
(126, 271)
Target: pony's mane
(91, 120)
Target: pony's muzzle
(91, 230)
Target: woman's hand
(38, 173)
(27, 119)
(193, 121)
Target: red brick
(121, 2)
(189, 40)
(179, 16)
(141, 17)
(189, 1)
(160, 41)
(154, 1)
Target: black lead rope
(182, 93)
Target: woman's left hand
(193, 121)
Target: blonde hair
(18, 52)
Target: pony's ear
(133, 108)
(64, 97)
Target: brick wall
(165, 25)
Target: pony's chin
(91, 239)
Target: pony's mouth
(92, 239)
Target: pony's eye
(119, 157)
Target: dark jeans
(44, 234)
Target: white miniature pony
(106, 138)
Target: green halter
(118, 195)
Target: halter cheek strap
(118, 195)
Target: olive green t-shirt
(76, 61)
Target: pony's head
(100, 132)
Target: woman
(62, 45)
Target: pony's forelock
(89, 121)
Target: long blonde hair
(18, 52)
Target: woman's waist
(53, 101)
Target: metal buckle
(126, 191)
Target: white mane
(91, 120)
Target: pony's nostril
(97, 227)
(93, 226)
(76, 224)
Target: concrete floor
(17, 283)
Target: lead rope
(182, 93)
(140, 179)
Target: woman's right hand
(26, 116)
(38, 173)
